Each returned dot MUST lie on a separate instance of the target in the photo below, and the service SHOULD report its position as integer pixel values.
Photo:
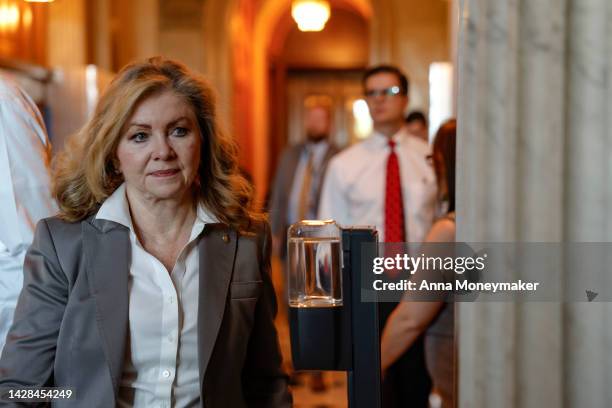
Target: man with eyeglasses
(386, 181)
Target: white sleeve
(11, 280)
(334, 202)
(25, 185)
(25, 194)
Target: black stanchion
(343, 337)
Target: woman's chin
(164, 191)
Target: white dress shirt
(161, 365)
(25, 195)
(354, 187)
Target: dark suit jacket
(71, 320)
(281, 189)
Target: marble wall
(535, 140)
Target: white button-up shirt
(25, 195)
(161, 367)
(354, 187)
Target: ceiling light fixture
(310, 15)
(9, 17)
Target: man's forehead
(382, 79)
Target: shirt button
(166, 373)
(170, 299)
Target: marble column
(534, 149)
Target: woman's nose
(162, 148)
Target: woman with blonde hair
(151, 287)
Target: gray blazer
(71, 320)
(281, 189)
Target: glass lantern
(315, 264)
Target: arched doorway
(326, 64)
(242, 34)
(239, 35)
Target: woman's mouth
(165, 173)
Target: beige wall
(134, 31)
(411, 34)
(107, 33)
(100, 37)
(147, 30)
(181, 31)
(67, 35)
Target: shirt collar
(378, 139)
(117, 209)
(203, 217)
(316, 148)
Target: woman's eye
(179, 131)
(139, 137)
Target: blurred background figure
(299, 175)
(297, 185)
(24, 189)
(417, 125)
(436, 319)
(386, 182)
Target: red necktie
(394, 206)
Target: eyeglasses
(392, 91)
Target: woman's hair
(444, 147)
(85, 173)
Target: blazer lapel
(106, 247)
(289, 172)
(217, 250)
(331, 151)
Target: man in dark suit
(297, 186)
(299, 176)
